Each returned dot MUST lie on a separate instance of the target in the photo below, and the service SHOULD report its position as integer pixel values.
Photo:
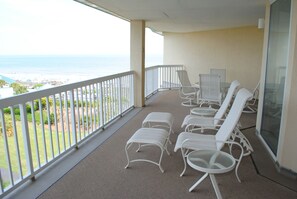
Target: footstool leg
(127, 155)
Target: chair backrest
(184, 80)
(256, 91)
(233, 116)
(183, 77)
(210, 87)
(223, 108)
(220, 72)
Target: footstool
(145, 137)
(159, 120)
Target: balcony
(81, 154)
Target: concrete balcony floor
(101, 173)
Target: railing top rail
(19, 99)
(162, 66)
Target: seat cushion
(149, 136)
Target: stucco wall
(238, 50)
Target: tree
(18, 89)
(37, 85)
(2, 83)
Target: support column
(137, 59)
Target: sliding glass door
(276, 67)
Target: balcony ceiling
(185, 15)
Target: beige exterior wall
(238, 50)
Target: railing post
(73, 119)
(26, 137)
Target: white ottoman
(149, 136)
(159, 119)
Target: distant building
(6, 92)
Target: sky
(65, 27)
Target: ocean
(66, 68)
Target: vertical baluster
(105, 94)
(35, 133)
(94, 96)
(26, 138)
(170, 76)
(131, 90)
(107, 108)
(110, 99)
(42, 129)
(101, 104)
(73, 120)
(157, 77)
(56, 124)
(16, 142)
(98, 99)
(91, 108)
(78, 114)
(113, 105)
(120, 95)
(117, 101)
(1, 184)
(62, 121)
(6, 148)
(49, 127)
(87, 111)
(83, 110)
(124, 84)
(67, 117)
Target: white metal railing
(161, 77)
(37, 128)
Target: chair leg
(198, 182)
(127, 155)
(185, 162)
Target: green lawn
(48, 149)
(50, 146)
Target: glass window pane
(277, 58)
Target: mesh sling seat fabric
(159, 120)
(209, 89)
(148, 137)
(199, 122)
(251, 105)
(188, 92)
(220, 72)
(187, 141)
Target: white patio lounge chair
(209, 89)
(220, 72)
(187, 141)
(251, 106)
(188, 92)
(196, 122)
